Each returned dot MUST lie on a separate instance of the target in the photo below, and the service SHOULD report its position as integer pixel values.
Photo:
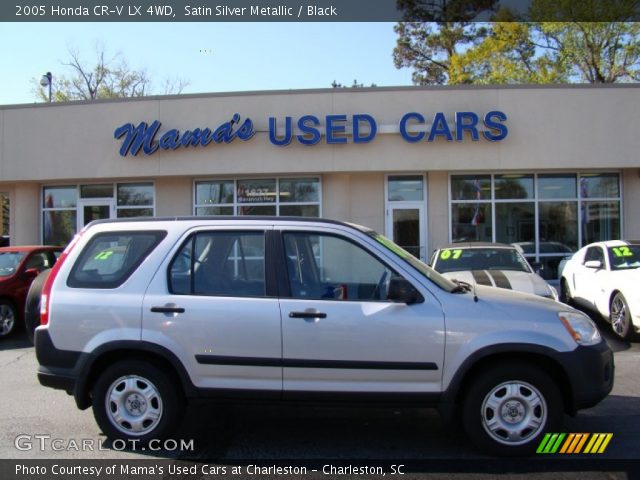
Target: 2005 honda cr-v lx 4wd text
(139, 316)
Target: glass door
(94, 209)
(404, 227)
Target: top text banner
(316, 10)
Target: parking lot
(38, 423)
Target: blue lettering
(499, 131)
(288, 132)
(169, 140)
(137, 137)
(403, 127)
(310, 135)
(205, 137)
(439, 127)
(373, 128)
(246, 131)
(333, 129)
(143, 136)
(466, 121)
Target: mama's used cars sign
(310, 130)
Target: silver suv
(138, 316)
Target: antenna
(475, 295)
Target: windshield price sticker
(622, 252)
(451, 254)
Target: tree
(429, 48)
(107, 78)
(355, 84)
(552, 52)
(508, 51)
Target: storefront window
(600, 220)
(59, 226)
(515, 222)
(557, 186)
(471, 222)
(262, 196)
(514, 186)
(60, 197)
(548, 215)
(216, 193)
(405, 188)
(471, 187)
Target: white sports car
(493, 264)
(605, 276)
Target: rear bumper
(58, 369)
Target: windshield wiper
(463, 287)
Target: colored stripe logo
(592, 443)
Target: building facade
(549, 168)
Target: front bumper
(590, 371)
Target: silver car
(492, 264)
(292, 309)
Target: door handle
(170, 308)
(307, 315)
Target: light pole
(46, 81)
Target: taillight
(45, 296)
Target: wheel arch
(537, 356)
(113, 352)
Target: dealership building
(551, 168)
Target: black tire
(135, 400)
(620, 317)
(8, 318)
(32, 304)
(529, 404)
(565, 293)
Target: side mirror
(597, 264)
(31, 273)
(401, 291)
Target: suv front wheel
(134, 400)
(508, 408)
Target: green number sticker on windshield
(451, 254)
(103, 255)
(622, 252)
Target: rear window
(109, 259)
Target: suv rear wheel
(508, 408)
(136, 400)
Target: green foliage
(106, 78)
(510, 51)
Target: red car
(19, 266)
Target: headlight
(580, 327)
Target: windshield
(421, 267)
(9, 261)
(461, 259)
(624, 257)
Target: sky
(212, 57)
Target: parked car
(493, 264)
(291, 309)
(604, 276)
(18, 268)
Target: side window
(329, 267)
(220, 263)
(109, 259)
(594, 253)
